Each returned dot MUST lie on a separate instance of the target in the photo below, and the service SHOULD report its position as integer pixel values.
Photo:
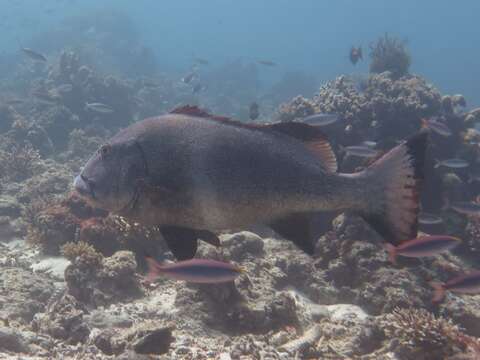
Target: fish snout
(83, 186)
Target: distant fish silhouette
(355, 54)
(201, 61)
(189, 77)
(321, 119)
(436, 126)
(267, 62)
(34, 55)
(468, 283)
(99, 108)
(253, 111)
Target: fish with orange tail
(202, 271)
(422, 246)
(468, 283)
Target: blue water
(312, 36)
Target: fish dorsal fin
(194, 110)
(313, 138)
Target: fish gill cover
(319, 160)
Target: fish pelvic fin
(392, 253)
(438, 292)
(397, 175)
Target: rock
(12, 340)
(64, 320)
(154, 341)
(54, 266)
(103, 341)
(103, 320)
(111, 280)
(243, 244)
(23, 294)
(344, 312)
(464, 310)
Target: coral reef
(75, 289)
(19, 162)
(426, 337)
(389, 54)
(98, 281)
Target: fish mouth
(84, 187)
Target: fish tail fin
(395, 179)
(154, 269)
(438, 291)
(392, 253)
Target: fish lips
(83, 187)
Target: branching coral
(81, 145)
(298, 107)
(19, 162)
(82, 252)
(421, 332)
(389, 54)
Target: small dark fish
(253, 111)
(64, 88)
(138, 101)
(452, 163)
(361, 151)
(34, 55)
(195, 270)
(197, 88)
(45, 97)
(466, 208)
(99, 107)
(370, 144)
(436, 126)
(189, 77)
(201, 61)
(464, 284)
(355, 54)
(150, 84)
(429, 219)
(320, 119)
(267, 62)
(422, 246)
(14, 101)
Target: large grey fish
(192, 174)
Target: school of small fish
(432, 245)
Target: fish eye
(105, 150)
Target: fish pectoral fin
(312, 137)
(182, 242)
(297, 228)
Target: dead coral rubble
(99, 281)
